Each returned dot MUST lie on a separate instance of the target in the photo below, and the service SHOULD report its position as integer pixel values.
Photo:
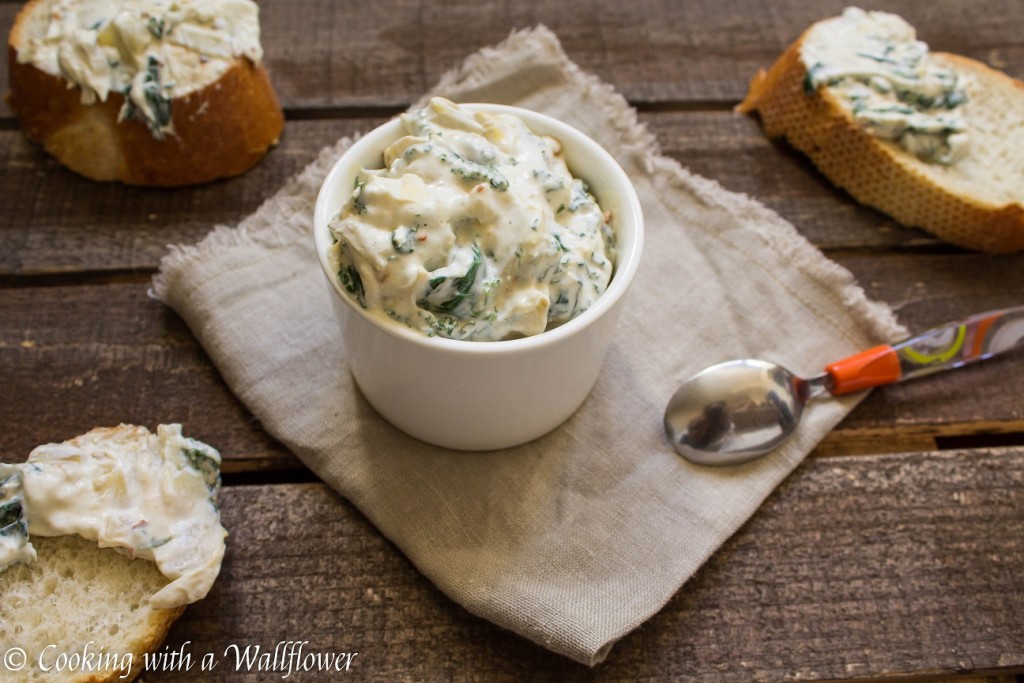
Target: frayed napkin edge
(259, 227)
(779, 235)
(481, 66)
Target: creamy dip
(151, 496)
(152, 51)
(885, 77)
(474, 229)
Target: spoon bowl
(736, 411)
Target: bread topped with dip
(146, 92)
(935, 140)
(104, 540)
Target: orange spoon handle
(871, 368)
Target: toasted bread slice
(106, 542)
(219, 130)
(976, 202)
(81, 611)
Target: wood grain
(325, 54)
(79, 357)
(111, 354)
(852, 568)
(926, 290)
(54, 222)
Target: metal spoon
(739, 410)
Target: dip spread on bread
(882, 74)
(151, 496)
(152, 51)
(474, 229)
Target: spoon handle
(948, 346)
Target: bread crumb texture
(80, 599)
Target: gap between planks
(854, 442)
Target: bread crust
(160, 623)
(879, 173)
(219, 131)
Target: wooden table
(895, 552)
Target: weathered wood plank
(328, 53)
(79, 356)
(733, 150)
(853, 568)
(52, 221)
(926, 291)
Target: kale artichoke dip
(878, 70)
(474, 229)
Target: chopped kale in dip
(474, 229)
(886, 78)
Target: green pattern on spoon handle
(949, 346)
(976, 338)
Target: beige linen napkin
(577, 538)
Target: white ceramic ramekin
(483, 395)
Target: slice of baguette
(220, 130)
(81, 612)
(976, 202)
(78, 598)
